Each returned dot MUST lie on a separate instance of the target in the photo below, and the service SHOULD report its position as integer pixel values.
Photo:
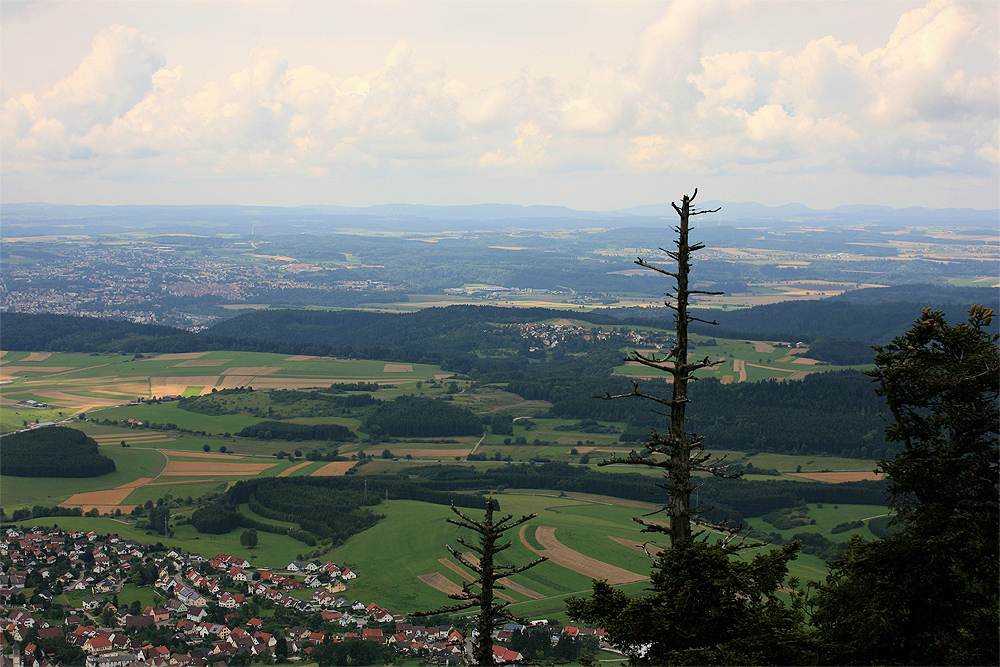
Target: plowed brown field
(177, 453)
(562, 555)
(652, 549)
(214, 468)
(440, 582)
(289, 471)
(109, 498)
(333, 469)
(457, 569)
(512, 585)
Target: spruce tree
(929, 593)
(489, 574)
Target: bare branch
(703, 212)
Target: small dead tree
(489, 576)
(683, 452)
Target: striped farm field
(288, 471)
(562, 555)
(85, 382)
(334, 469)
(214, 468)
(131, 465)
(178, 454)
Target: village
(207, 611)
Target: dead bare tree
(683, 451)
(489, 573)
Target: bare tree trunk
(682, 451)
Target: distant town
(60, 596)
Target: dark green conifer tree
(929, 594)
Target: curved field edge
(131, 464)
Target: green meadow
(730, 351)
(130, 464)
(273, 550)
(827, 516)
(171, 413)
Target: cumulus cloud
(925, 100)
(113, 78)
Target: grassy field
(130, 463)
(72, 383)
(411, 541)
(272, 550)
(779, 363)
(827, 516)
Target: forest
(52, 451)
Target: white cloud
(923, 102)
(939, 64)
(113, 78)
(527, 149)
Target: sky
(591, 105)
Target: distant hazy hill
(38, 218)
(870, 316)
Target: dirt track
(440, 582)
(562, 555)
(523, 590)
(632, 544)
(457, 569)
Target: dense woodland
(290, 431)
(421, 417)
(52, 451)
